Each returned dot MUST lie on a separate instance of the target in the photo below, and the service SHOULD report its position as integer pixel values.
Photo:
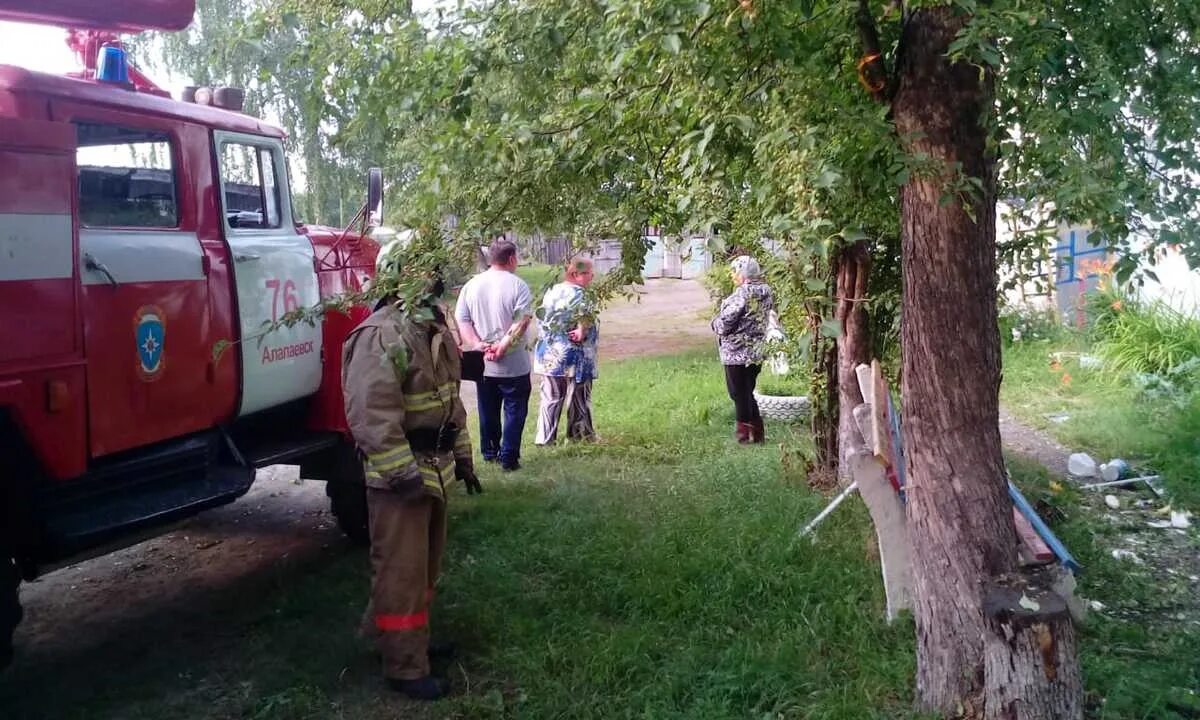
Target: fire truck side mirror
(375, 196)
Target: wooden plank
(1031, 542)
(866, 383)
(891, 530)
(862, 420)
(881, 442)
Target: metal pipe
(1115, 483)
(828, 509)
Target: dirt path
(666, 316)
(1033, 444)
(205, 581)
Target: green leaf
(827, 179)
(853, 235)
(745, 124)
(671, 43)
(814, 285)
(831, 328)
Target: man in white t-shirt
(494, 310)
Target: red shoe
(743, 433)
(758, 433)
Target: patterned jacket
(564, 306)
(400, 379)
(741, 324)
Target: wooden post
(1030, 672)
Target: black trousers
(740, 380)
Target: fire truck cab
(145, 245)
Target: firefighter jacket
(400, 380)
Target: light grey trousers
(578, 398)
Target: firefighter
(400, 378)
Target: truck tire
(10, 608)
(348, 501)
(347, 491)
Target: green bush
(785, 385)
(1025, 323)
(1142, 337)
(719, 283)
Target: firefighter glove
(464, 470)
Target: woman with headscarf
(741, 328)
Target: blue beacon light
(112, 66)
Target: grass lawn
(651, 575)
(539, 276)
(648, 576)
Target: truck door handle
(91, 263)
(246, 257)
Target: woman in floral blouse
(741, 328)
(565, 356)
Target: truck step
(171, 482)
(285, 452)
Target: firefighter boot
(758, 433)
(422, 688)
(744, 433)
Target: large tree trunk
(959, 512)
(853, 345)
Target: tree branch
(504, 208)
(872, 70)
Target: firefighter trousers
(407, 538)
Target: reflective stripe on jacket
(401, 375)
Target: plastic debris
(1096, 605)
(1126, 555)
(1159, 524)
(1090, 362)
(1114, 470)
(1182, 520)
(1112, 502)
(1081, 465)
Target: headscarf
(747, 267)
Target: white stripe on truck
(140, 256)
(35, 246)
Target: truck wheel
(10, 608)
(348, 501)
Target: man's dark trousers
(502, 441)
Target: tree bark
(823, 378)
(853, 345)
(959, 513)
(1029, 652)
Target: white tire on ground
(783, 407)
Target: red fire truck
(145, 245)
